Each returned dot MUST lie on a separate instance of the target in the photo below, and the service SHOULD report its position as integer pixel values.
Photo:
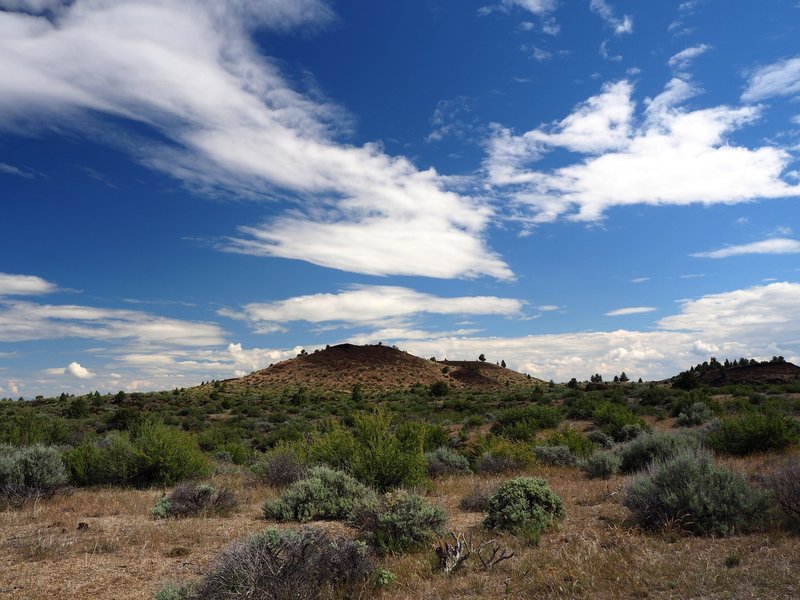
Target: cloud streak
(769, 246)
(188, 71)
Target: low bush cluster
(492, 455)
(152, 453)
(637, 454)
(555, 456)
(523, 423)
(279, 467)
(324, 494)
(398, 521)
(30, 472)
(308, 564)
(754, 432)
(689, 492)
(578, 443)
(194, 499)
(695, 414)
(600, 465)
(445, 461)
(525, 506)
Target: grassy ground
(597, 553)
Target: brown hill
(379, 368)
(762, 373)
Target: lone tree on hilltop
(482, 358)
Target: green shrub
(523, 423)
(30, 472)
(578, 443)
(446, 461)
(323, 494)
(279, 467)
(334, 448)
(398, 521)
(600, 465)
(309, 564)
(525, 506)
(617, 420)
(195, 500)
(696, 414)
(153, 453)
(555, 456)
(688, 492)
(637, 454)
(600, 439)
(754, 432)
(493, 455)
(386, 457)
(439, 389)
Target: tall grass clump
(638, 453)
(754, 432)
(308, 564)
(689, 492)
(523, 423)
(324, 494)
(30, 472)
(398, 521)
(525, 506)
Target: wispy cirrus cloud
(190, 72)
(768, 246)
(370, 306)
(668, 155)
(630, 310)
(781, 78)
(682, 60)
(607, 13)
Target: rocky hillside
(379, 368)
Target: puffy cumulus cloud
(631, 310)
(370, 306)
(75, 369)
(683, 59)
(670, 155)
(24, 321)
(24, 285)
(781, 78)
(761, 314)
(189, 71)
(607, 13)
(761, 321)
(769, 246)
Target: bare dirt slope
(379, 367)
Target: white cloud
(683, 59)
(781, 78)
(78, 371)
(189, 71)
(640, 279)
(55, 371)
(548, 307)
(12, 170)
(541, 55)
(22, 321)
(671, 156)
(770, 246)
(537, 7)
(32, 6)
(24, 285)
(13, 387)
(606, 54)
(371, 306)
(631, 310)
(606, 12)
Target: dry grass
(596, 553)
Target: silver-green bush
(689, 492)
(30, 472)
(525, 506)
(601, 465)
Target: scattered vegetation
(31, 472)
(637, 454)
(445, 461)
(755, 432)
(782, 480)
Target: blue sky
(193, 190)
